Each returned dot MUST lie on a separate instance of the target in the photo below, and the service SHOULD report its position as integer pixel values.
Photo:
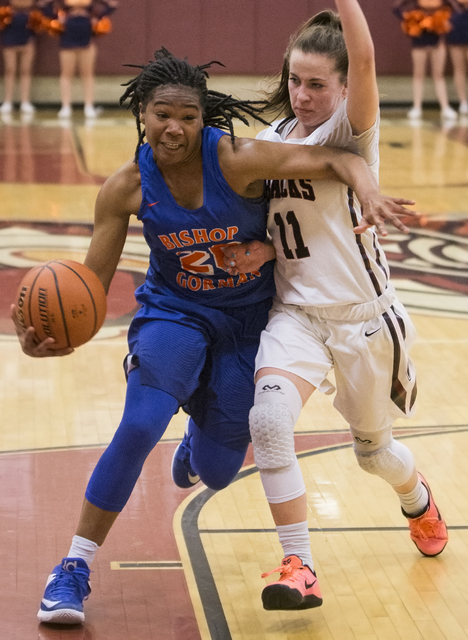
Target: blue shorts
(204, 357)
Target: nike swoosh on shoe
(50, 603)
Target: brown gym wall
(248, 36)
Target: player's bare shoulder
(122, 190)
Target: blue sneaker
(182, 473)
(67, 587)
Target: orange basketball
(64, 300)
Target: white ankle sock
(415, 502)
(83, 548)
(294, 539)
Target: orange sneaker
(297, 588)
(428, 532)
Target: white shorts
(375, 377)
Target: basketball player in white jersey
(335, 306)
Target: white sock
(83, 548)
(415, 502)
(294, 539)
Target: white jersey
(320, 261)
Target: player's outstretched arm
(379, 209)
(376, 208)
(118, 199)
(249, 160)
(363, 93)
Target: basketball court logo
(429, 267)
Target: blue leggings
(146, 415)
(216, 465)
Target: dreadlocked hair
(218, 109)
(321, 34)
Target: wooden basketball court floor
(186, 565)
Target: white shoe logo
(50, 603)
(50, 579)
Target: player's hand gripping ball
(63, 300)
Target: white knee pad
(283, 485)
(393, 462)
(272, 432)
(272, 419)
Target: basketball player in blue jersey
(194, 340)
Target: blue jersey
(196, 335)
(186, 259)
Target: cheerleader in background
(427, 22)
(457, 42)
(19, 21)
(77, 22)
